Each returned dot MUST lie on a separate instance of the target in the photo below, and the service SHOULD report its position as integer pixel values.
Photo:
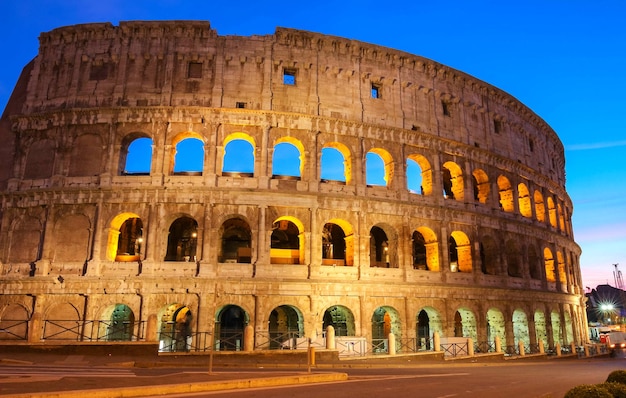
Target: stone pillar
(152, 328)
(330, 338)
(34, 328)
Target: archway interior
(231, 322)
(120, 324)
(341, 319)
(285, 325)
(182, 240)
(175, 330)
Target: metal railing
(93, 330)
(280, 341)
(13, 329)
(455, 349)
(181, 342)
(484, 347)
(379, 346)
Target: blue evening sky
(564, 59)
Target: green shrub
(617, 376)
(588, 391)
(617, 389)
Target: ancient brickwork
(481, 246)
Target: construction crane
(617, 274)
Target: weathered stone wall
(94, 88)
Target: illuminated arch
(341, 319)
(125, 238)
(525, 205)
(560, 260)
(425, 187)
(481, 186)
(495, 325)
(540, 208)
(506, 194)
(337, 242)
(460, 252)
(520, 329)
(385, 321)
(176, 328)
(425, 249)
(465, 323)
(561, 217)
(549, 265)
(189, 146)
(287, 240)
(387, 166)
(453, 181)
(347, 160)
(552, 211)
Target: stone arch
(383, 246)
(337, 243)
(513, 255)
(552, 212)
(341, 319)
(520, 328)
(495, 325)
(541, 329)
(569, 328)
(231, 321)
(175, 328)
(524, 202)
(62, 322)
(26, 237)
(286, 325)
(135, 154)
(425, 249)
(453, 181)
(465, 323)
(117, 323)
(540, 208)
(385, 321)
(460, 252)
(560, 261)
(86, 156)
(548, 260)
(506, 194)
(14, 322)
(239, 154)
(557, 332)
(481, 186)
(236, 241)
(182, 240)
(489, 255)
(423, 184)
(284, 155)
(40, 160)
(427, 322)
(386, 164)
(534, 262)
(326, 164)
(286, 241)
(187, 154)
(125, 238)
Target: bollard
(498, 344)
(522, 351)
(436, 342)
(248, 338)
(542, 348)
(392, 344)
(573, 348)
(557, 348)
(587, 351)
(330, 338)
(470, 347)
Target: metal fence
(179, 342)
(13, 329)
(93, 330)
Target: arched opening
(495, 326)
(341, 319)
(118, 324)
(236, 241)
(419, 251)
(136, 155)
(182, 240)
(175, 329)
(524, 202)
(378, 167)
(14, 322)
(552, 212)
(540, 208)
(481, 186)
(453, 181)
(560, 259)
(423, 331)
(231, 321)
(534, 263)
(489, 254)
(385, 320)
(285, 242)
(285, 327)
(505, 191)
(549, 265)
(513, 255)
(239, 155)
(557, 333)
(337, 243)
(60, 323)
(419, 175)
(459, 250)
(465, 324)
(540, 328)
(520, 329)
(379, 248)
(335, 163)
(125, 238)
(287, 159)
(569, 329)
(188, 155)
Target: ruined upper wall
(185, 63)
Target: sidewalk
(138, 383)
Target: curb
(190, 387)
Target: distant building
(127, 214)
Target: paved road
(545, 379)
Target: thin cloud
(595, 145)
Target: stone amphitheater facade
(159, 180)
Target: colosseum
(161, 183)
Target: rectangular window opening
(289, 77)
(445, 108)
(497, 126)
(195, 70)
(240, 105)
(376, 90)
